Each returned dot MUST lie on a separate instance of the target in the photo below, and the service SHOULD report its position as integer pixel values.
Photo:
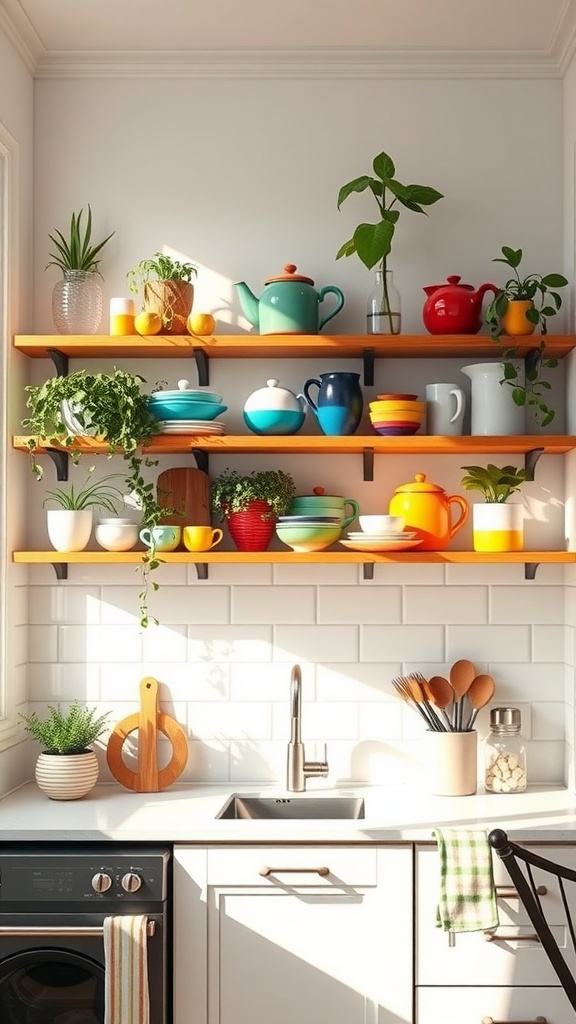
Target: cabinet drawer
(292, 865)
(473, 960)
(474, 1005)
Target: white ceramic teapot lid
(272, 397)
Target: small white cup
(381, 524)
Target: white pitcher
(493, 410)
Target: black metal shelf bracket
(61, 460)
(530, 570)
(201, 457)
(368, 464)
(60, 361)
(202, 366)
(530, 459)
(202, 570)
(368, 571)
(61, 570)
(368, 359)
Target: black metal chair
(519, 863)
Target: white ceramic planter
(67, 776)
(69, 530)
(498, 527)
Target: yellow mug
(201, 538)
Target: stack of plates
(392, 541)
(192, 427)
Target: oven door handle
(37, 931)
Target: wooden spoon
(461, 675)
(439, 691)
(480, 693)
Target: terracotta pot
(249, 530)
(514, 320)
(173, 301)
(67, 776)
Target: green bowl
(308, 538)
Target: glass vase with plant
(167, 289)
(372, 243)
(77, 298)
(520, 305)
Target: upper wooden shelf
(255, 346)
(552, 444)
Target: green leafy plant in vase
(520, 306)
(67, 768)
(77, 298)
(111, 407)
(251, 504)
(497, 524)
(167, 289)
(372, 243)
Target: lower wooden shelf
(293, 557)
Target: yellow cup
(201, 538)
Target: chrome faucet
(299, 769)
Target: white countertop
(187, 814)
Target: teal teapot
(289, 304)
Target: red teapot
(454, 308)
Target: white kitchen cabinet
(262, 937)
(504, 1005)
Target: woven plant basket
(173, 301)
(249, 531)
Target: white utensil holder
(451, 763)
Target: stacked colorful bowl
(397, 415)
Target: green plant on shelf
(496, 483)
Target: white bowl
(116, 534)
(381, 524)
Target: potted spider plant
(372, 243)
(77, 298)
(67, 767)
(521, 305)
(251, 504)
(167, 289)
(112, 407)
(70, 525)
(497, 525)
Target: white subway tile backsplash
(548, 720)
(229, 643)
(65, 681)
(165, 643)
(320, 722)
(43, 643)
(380, 721)
(548, 643)
(335, 575)
(545, 762)
(403, 574)
(230, 721)
(361, 682)
(488, 643)
(364, 605)
(316, 643)
(271, 682)
(393, 643)
(519, 605)
(491, 575)
(64, 604)
(94, 643)
(446, 604)
(177, 605)
(258, 761)
(232, 575)
(274, 605)
(515, 681)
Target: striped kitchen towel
(467, 898)
(126, 998)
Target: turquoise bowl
(274, 421)
(181, 409)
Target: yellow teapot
(425, 508)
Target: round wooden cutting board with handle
(149, 721)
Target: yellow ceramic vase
(498, 527)
(514, 320)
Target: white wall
(242, 177)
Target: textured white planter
(67, 776)
(69, 531)
(498, 527)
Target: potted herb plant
(77, 298)
(113, 407)
(251, 504)
(70, 525)
(167, 289)
(372, 243)
(67, 767)
(519, 306)
(497, 524)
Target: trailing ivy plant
(110, 406)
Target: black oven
(53, 901)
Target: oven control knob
(101, 882)
(131, 882)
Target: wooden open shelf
(167, 444)
(292, 557)
(256, 346)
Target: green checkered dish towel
(467, 899)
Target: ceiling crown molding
(563, 46)
(21, 33)
(297, 64)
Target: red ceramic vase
(249, 530)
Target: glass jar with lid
(505, 753)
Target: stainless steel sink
(293, 807)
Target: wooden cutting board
(187, 490)
(149, 721)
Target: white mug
(445, 408)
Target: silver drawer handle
(494, 937)
(265, 871)
(533, 1020)
(508, 892)
(49, 930)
